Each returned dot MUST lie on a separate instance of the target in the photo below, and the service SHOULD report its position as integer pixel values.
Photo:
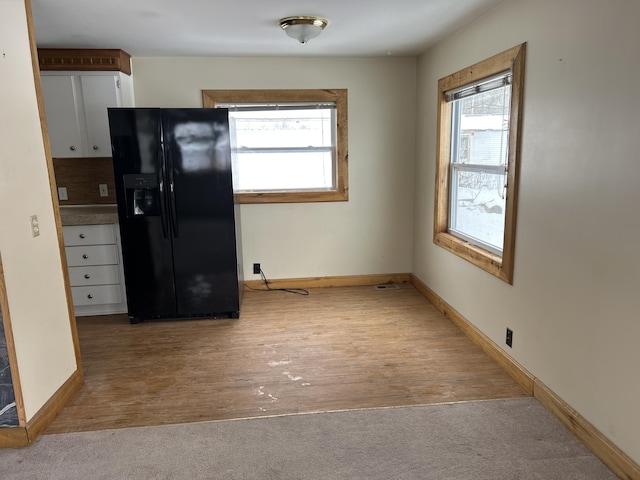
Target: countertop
(88, 214)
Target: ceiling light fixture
(303, 29)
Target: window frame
(340, 193)
(499, 266)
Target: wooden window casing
(499, 266)
(211, 98)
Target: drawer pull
(85, 256)
(95, 147)
(89, 296)
(82, 235)
(86, 275)
(72, 148)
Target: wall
(32, 266)
(573, 305)
(371, 233)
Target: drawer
(97, 295)
(94, 275)
(89, 234)
(92, 255)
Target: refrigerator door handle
(163, 205)
(172, 196)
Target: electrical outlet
(104, 191)
(62, 193)
(509, 337)
(256, 269)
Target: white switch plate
(104, 191)
(35, 228)
(62, 193)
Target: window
(477, 161)
(286, 145)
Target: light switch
(104, 191)
(35, 228)
(62, 193)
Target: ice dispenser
(142, 194)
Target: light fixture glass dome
(303, 29)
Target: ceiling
(250, 27)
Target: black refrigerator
(177, 215)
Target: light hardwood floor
(338, 348)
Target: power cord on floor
(297, 291)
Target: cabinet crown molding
(84, 59)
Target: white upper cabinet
(98, 93)
(61, 103)
(76, 110)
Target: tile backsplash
(82, 178)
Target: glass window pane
(284, 171)
(478, 205)
(286, 145)
(283, 128)
(481, 126)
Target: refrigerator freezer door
(140, 189)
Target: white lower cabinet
(92, 255)
(97, 295)
(95, 275)
(95, 269)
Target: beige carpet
(491, 439)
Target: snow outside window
(283, 147)
(479, 156)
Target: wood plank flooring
(338, 348)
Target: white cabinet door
(76, 110)
(63, 107)
(99, 92)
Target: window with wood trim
(287, 146)
(479, 119)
